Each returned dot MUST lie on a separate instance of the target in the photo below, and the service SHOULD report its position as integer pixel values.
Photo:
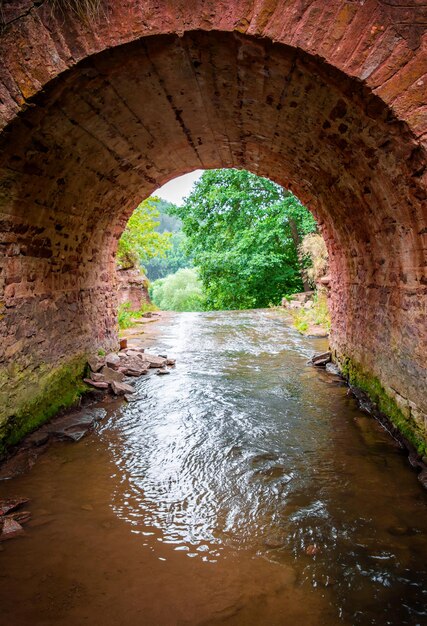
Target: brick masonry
(326, 98)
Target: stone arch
(327, 101)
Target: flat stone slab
(111, 374)
(320, 360)
(10, 529)
(162, 372)
(74, 426)
(112, 360)
(96, 363)
(120, 389)
(98, 384)
(153, 360)
(10, 504)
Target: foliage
(313, 249)
(126, 317)
(317, 315)
(167, 221)
(86, 10)
(181, 291)
(140, 241)
(241, 230)
(177, 257)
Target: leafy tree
(175, 258)
(244, 231)
(167, 220)
(181, 291)
(140, 241)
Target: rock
(112, 360)
(422, 477)
(154, 361)
(95, 363)
(22, 517)
(331, 368)
(10, 529)
(134, 353)
(96, 384)
(97, 377)
(415, 460)
(10, 504)
(312, 549)
(320, 360)
(309, 304)
(294, 304)
(163, 356)
(170, 362)
(133, 366)
(133, 397)
(119, 389)
(123, 343)
(75, 425)
(163, 371)
(129, 371)
(38, 438)
(316, 331)
(112, 374)
(17, 464)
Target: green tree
(181, 291)
(140, 241)
(175, 258)
(243, 232)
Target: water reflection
(245, 488)
(244, 446)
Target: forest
(234, 243)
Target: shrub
(181, 291)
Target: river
(246, 488)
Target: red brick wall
(326, 98)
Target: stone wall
(132, 287)
(326, 98)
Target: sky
(178, 188)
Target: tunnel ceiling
(320, 113)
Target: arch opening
(126, 120)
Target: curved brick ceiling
(329, 101)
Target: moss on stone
(58, 388)
(371, 385)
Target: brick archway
(328, 101)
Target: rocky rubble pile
(11, 520)
(303, 300)
(109, 372)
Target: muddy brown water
(200, 503)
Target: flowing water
(245, 488)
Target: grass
(126, 317)
(318, 315)
(85, 10)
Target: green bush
(317, 315)
(181, 291)
(125, 315)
